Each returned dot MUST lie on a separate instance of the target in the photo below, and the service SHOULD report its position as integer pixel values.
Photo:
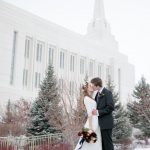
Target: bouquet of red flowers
(88, 135)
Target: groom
(105, 106)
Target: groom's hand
(94, 112)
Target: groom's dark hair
(97, 81)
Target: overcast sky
(129, 21)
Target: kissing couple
(99, 107)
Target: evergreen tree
(46, 107)
(139, 110)
(39, 122)
(122, 129)
(9, 115)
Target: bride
(92, 121)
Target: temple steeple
(98, 28)
(98, 10)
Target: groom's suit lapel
(96, 96)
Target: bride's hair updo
(84, 92)
(85, 89)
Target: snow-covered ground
(142, 149)
(1, 119)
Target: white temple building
(29, 43)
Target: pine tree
(46, 107)
(39, 122)
(122, 128)
(139, 110)
(9, 117)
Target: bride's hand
(90, 131)
(94, 112)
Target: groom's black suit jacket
(105, 106)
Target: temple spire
(98, 28)
(99, 10)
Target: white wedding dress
(90, 104)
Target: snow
(1, 119)
(142, 149)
